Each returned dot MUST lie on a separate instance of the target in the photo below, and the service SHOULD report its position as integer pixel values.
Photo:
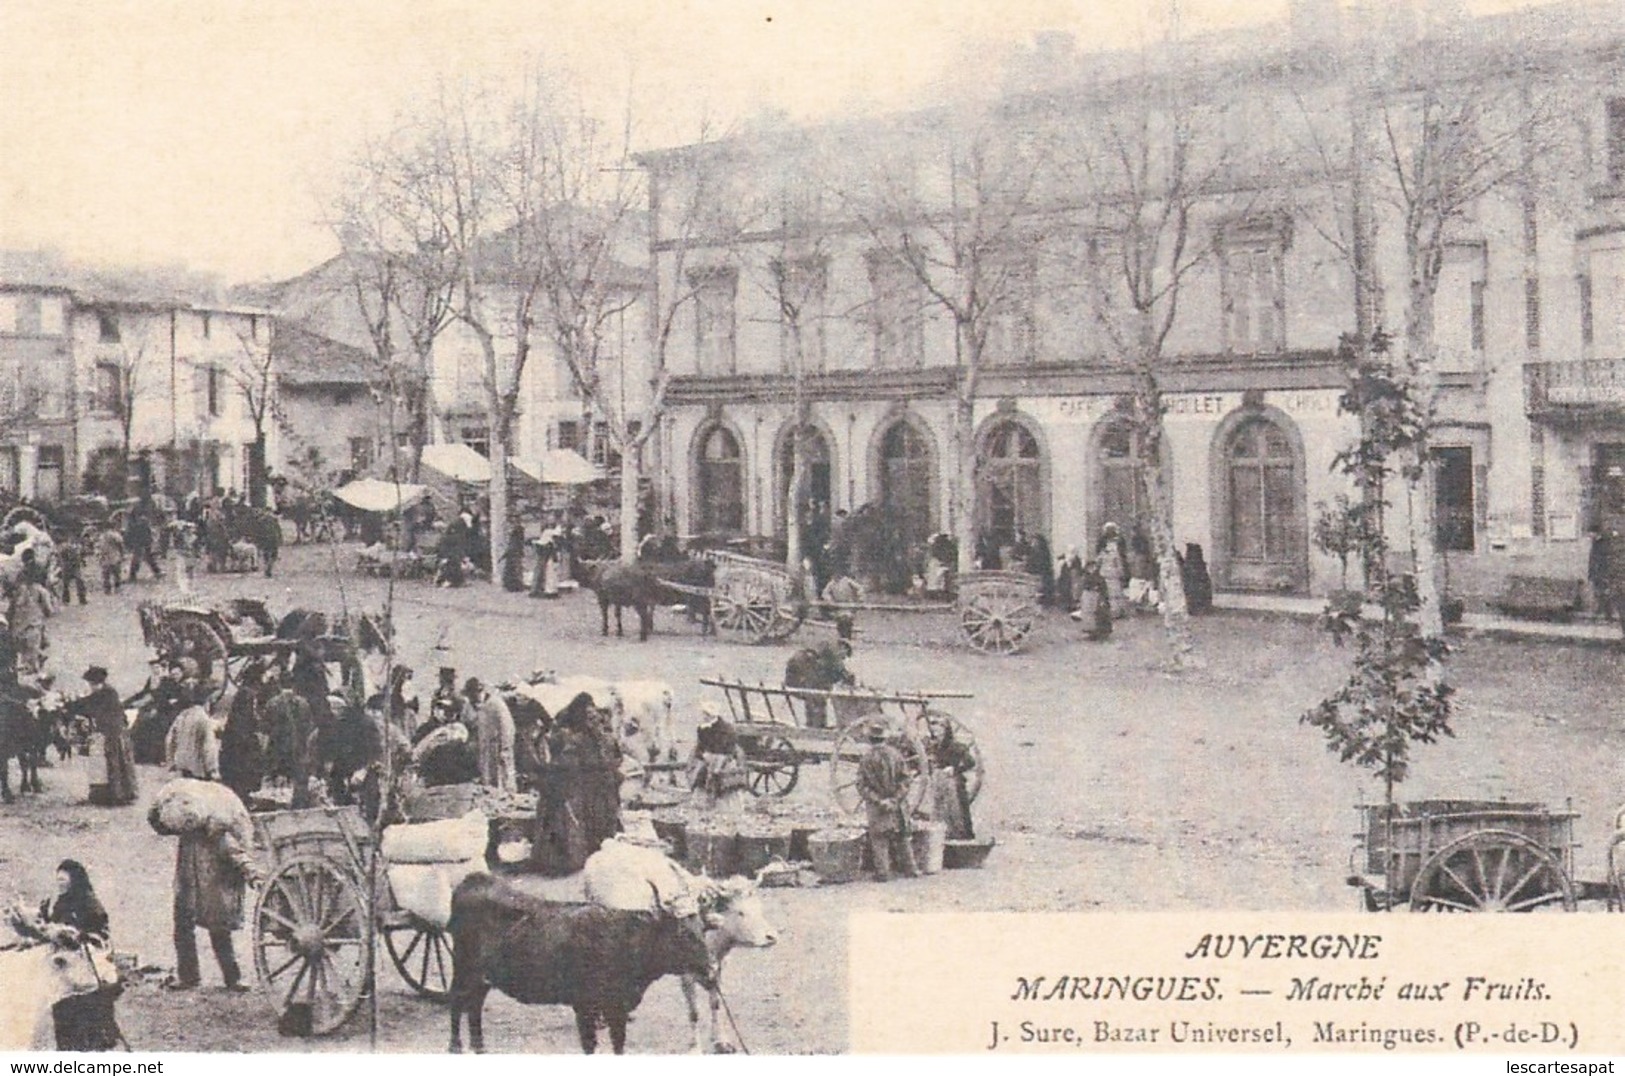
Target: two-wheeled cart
(782, 729)
(1477, 856)
(313, 923)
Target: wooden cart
(760, 601)
(780, 732)
(1474, 856)
(311, 928)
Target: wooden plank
(815, 693)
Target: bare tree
(252, 371)
(953, 206)
(1149, 164)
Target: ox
(25, 736)
(622, 874)
(598, 961)
(39, 976)
(642, 711)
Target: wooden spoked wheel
(422, 954)
(750, 608)
(1492, 870)
(310, 941)
(774, 766)
(189, 635)
(849, 750)
(997, 619)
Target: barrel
(928, 840)
(712, 852)
(756, 850)
(674, 831)
(836, 855)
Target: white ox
(630, 876)
(37, 978)
(27, 536)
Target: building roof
(156, 288)
(302, 357)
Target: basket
(712, 852)
(928, 840)
(837, 856)
(439, 802)
(966, 855)
(756, 850)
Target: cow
(642, 711)
(24, 736)
(39, 976)
(687, 582)
(622, 874)
(599, 961)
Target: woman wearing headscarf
(105, 711)
(242, 752)
(75, 917)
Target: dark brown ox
(598, 961)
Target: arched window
(907, 477)
(720, 489)
(1118, 470)
(1010, 486)
(1264, 533)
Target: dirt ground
(1110, 786)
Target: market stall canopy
(559, 467)
(375, 495)
(458, 462)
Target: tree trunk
(631, 471)
(962, 492)
(1176, 618)
(497, 538)
(1419, 345)
(256, 470)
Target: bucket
(928, 839)
(756, 850)
(711, 852)
(836, 855)
(674, 831)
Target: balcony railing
(1575, 388)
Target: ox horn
(660, 905)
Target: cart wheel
(996, 620)
(310, 942)
(964, 737)
(422, 954)
(746, 607)
(1492, 870)
(849, 750)
(187, 635)
(774, 766)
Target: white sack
(425, 889)
(455, 840)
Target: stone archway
(1260, 503)
(717, 490)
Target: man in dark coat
(138, 543)
(212, 869)
(291, 724)
(105, 710)
(579, 804)
(883, 783)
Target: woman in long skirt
(105, 710)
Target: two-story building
(102, 383)
(1526, 450)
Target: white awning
(458, 462)
(559, 467)
(374, 495)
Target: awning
(374, 495)
(457, 462)
(559, 467)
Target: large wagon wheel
(997, 618)
(746, 606)
(422, 954)
(185, 634)
(852, 745)
(774, 766)
(1492, 870)
(310, 944)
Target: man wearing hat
(883, 783)
(444, 705)
(492, 725)
(104, 709)
(717, 767)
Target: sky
(203, 132)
